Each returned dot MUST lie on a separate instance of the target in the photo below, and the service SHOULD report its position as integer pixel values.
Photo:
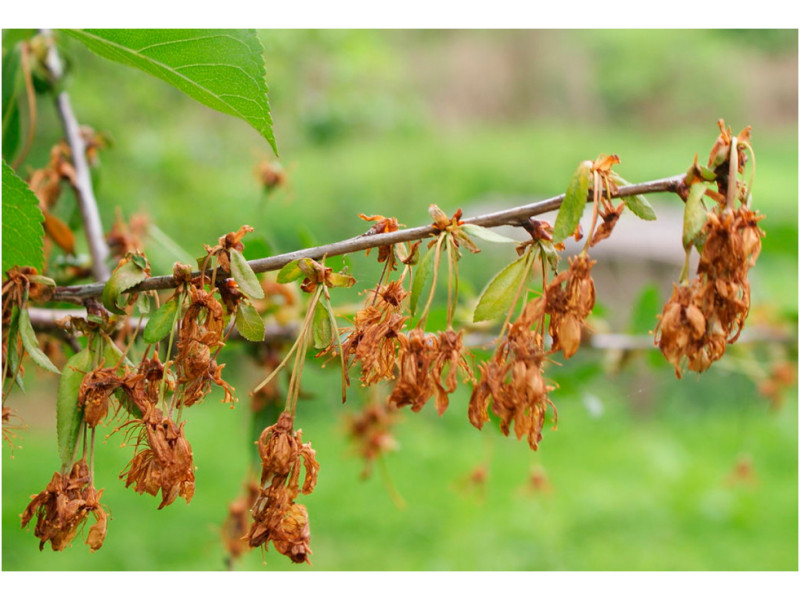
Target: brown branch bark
(84, 191)
(512, 216)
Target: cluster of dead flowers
(708, 312)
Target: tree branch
(512, 216)
(83, 180)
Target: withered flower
(416, 359)
(568, 306)
(63, 507)
(95, 392)
(237, 523)
(514, 380)
(370, 430)
(373, 339)
(164, 463)
(276, 516)
(382, 225)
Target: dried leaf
(59, 232)
(244, 276)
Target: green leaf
(222, 68)
(125, 276)
(694, 214)
(244, 276)
(290, 272)
(321, 329)
(340, 280)
(486, 234)
(22, 224)
(640, 207)
(569, 215)
(68, 412)
(160, 324)
(13, 347)
(31, 344)
(550, 253)
(11, 84)
(249, 323)
(421, 276)
(499, 293)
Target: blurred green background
(644, 472)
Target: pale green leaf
(244, 276)
(160, 323)
(31, 344)
(222, 68)
(125, 276)
(22, 224)
(485, 233)
(499, 293)
(321, 329)
(249, 323)
(290, 272)
(422, 274)
(569, 215)
(68, 412)
(694, 214)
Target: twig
(512, 216)
(83, 180)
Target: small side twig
(83, 180)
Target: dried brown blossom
(373, 340)
(63, 507)
(707, 313)
(382, 225)
(568, 306)
(514, 380)
(276, 517)
(95, 392)
(370, 431)
(237, 523)
(416, 359)
(162, 460)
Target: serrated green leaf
(321, 330)
(249, 323)
(694, 214)
(11, 84)
(244, 276)
(222, 68)
(160, 323)
(125, 276)
(290, 272)
(143, 304)
(421, 276)
(31, 344)
(68, 412)
(550, 253)
(22, 223)
(497, 296)
(486, 234)
(569, 215)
